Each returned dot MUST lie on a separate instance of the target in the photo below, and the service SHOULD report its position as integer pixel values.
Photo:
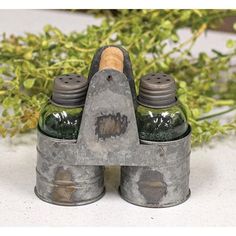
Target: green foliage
(29, 63)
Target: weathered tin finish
(64, 152)
(71, 172)
(68, 185)
(108, 103)
(159, 186)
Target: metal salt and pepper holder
(71, 172)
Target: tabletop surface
(212, 176)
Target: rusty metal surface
(68, 185)
(158, 186)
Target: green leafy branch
(29, 63)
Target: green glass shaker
(65, 183)
(160, 119)
(61, 117)
(160, 116)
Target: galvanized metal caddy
(154, 174)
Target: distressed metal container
(61, 182)
(164, 185)
(71, 172)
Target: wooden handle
(112, 58)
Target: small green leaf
(195, 112)
(234, 26)
(29, 83)
(182, 84)
(8, 102)
(167, 24)
(1, 82)
(3, 131)
(186, 15)
(45, 44)
(28, 55)
(5, 113)
(174, 38)
(230, 43)
(47, 28)
(68, 45)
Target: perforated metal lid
(69, 90)
(157, 90)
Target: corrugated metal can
(164, 185)
(67, 185)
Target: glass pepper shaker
(161, 120)
(61, 117)
(66, 183)
(160, 116)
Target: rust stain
(64, 186)
(152, 186)
(111, 125)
